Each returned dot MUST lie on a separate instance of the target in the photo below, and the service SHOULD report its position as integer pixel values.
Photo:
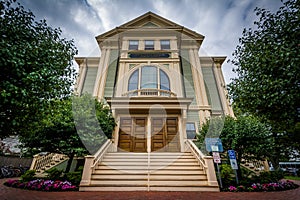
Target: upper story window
(149, 80)
(149, 44)
(165, 44)
(133, 45)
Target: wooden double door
(164, 134)
(133, 134)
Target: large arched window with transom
(149, 80)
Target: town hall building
(160, 92)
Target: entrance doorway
(164, 132)
(133, 134)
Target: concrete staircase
(148, 172)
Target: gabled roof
(150, 20)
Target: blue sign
(213, 144)
(231, 154)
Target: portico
(147, 124)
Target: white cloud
(220, 21)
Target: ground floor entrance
(159, 134)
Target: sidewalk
(7, 193)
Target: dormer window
(149, 44)
(165, 44)
(133, 45)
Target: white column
(116, 135)
(102, 79)
(182, 129)
(221, 88)
(82, 76)
(99, 73)
(149, 134)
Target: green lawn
(297, 178)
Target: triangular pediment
(150, 20)
(150, 24)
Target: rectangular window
(133, 44)
(165, 44)
(191, 130)
(149, 44)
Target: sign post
(217, 160)
(233, 163)
(215, 146)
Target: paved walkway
(7, 193)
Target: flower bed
(257, 187)
(42, 185)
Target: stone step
(146, 159)
(136, 163)
(143, 171)
(152, 167)
(175, 157)
(151, 154)
(135, 183)
(203, 188)
(164, 177)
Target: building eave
(135, 24)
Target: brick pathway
(7, 193)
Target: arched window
(149, 77)
(133, 81)
(164, 80)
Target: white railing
(92, 160)
(149, 92)
(205, 161)
(196, 152)
(106, 147)
(41, 162)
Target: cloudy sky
(220, 21)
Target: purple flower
(232, 188)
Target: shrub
(226, 174)
(28, 176)
(269, 177)
(74, 177)
(54, 174)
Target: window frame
(189, 131)
(133, 46)
(139, 74)
(165, 46)
(149, 46)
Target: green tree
(36, 66)
(250, 138)
(59, 130)
(268, 83)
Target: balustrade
(149, 92)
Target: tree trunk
(275, 161)
(71, 157)
(239, 171)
